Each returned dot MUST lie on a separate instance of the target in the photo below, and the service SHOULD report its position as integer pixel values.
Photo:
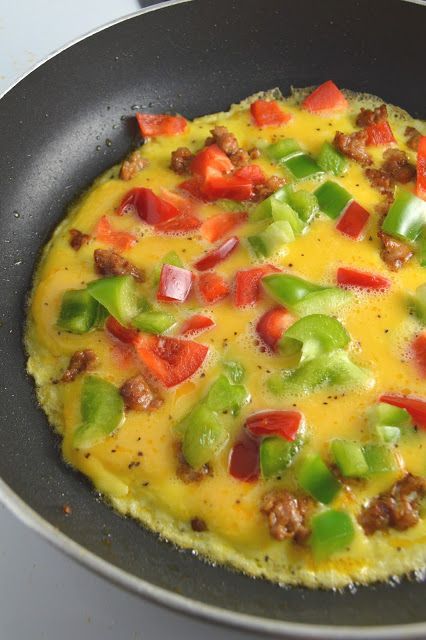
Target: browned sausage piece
(413, 136)
(240, 158)
(353, 146)
(381, 180)
(110, 263)
(181, 160)
(185, 472)
(132, 165)
(398, 166)
(367, 117)
(286, 515)
(397, 508)
(394, 253)
(254, 153)
(78, 238)
(80, 362)
(272, 184)
(224, 139)
(138, 395)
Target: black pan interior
(63, 124)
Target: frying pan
(68, 121)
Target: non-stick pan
(65, 123)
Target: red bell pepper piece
(244, 459)
(353, 278)
(416, 407)
(181, 201)
(149, 207)
(175, 284)
(212, 258)
(284, 424)
(121, 240)
(421, 168)
(326, 97)
(210, 162)
(183, 223)
(196, 324)
(212, 287)
(247, 284)
(353, 221)
(170, 360)
(192, 186)
(129, 336)
(272, 325)
(379, 133)
(151, 124)
(268, 113)
(251, 172)
(419, 352)
(219, 225)
(231, 187)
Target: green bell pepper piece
(419, 302)
(153, 321)
(388, 435)
(326, 301)
(331, 531)
(304, 203)
(101, 317)
(276, 454)
(386, 422)
(316, 479)
(79, 311)
(102, 412)
(170, 258)
(225, 396)
(421, 247)
(281, 211)
(224, 205)
(281, 149)
(331, 161)
(234, 370)
(117, 294)
(350, 458)
(332, 199)
(379, 458)
(302, 166)
(264, 209)
(272, 240)
(315, 334)
(406, 216)
(204, 436)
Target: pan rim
(182, 604)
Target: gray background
(44, 595)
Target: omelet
(228, 333)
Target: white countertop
(43, 594)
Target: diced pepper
(331, 161)
(170, 360)
(212, 258)
(276, 454)
(302, 166)
(228, 205)
(283, 424)
(196, 324)
(233, 187)
(170, 258)
(204, 437)
(267, 113)
(283, 212)
(247, 284)
(315, 334)
(149, 207)
(102, 412)
(153, 321)
(117, 294)
(419, 302)
(416, 407)
(326, 97)
(421, 168)
(210, 162)
(281, 149)
(304, 203)
(350, 458)
(244, 459)
(386, 422)
(353, 221)
(272, 240)
(175, 284)
(152, 124)
(193, 187)
(251, 172)
(332, 531)
(347, 277)
(234, 370)
(332, 199)
(121, 240)
(78, 312)
(101, 317)
(271, 326)
(212, 287)
(406, 216)
(379, 458)
(225, 396)
(326, 301)
(183, 223)
(124, 334)
(217, 226)
(421, 245)
(316, 479)
(379, 133)
(418, 348)
(264, 209)
(388, 435)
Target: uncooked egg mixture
(228, 333)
